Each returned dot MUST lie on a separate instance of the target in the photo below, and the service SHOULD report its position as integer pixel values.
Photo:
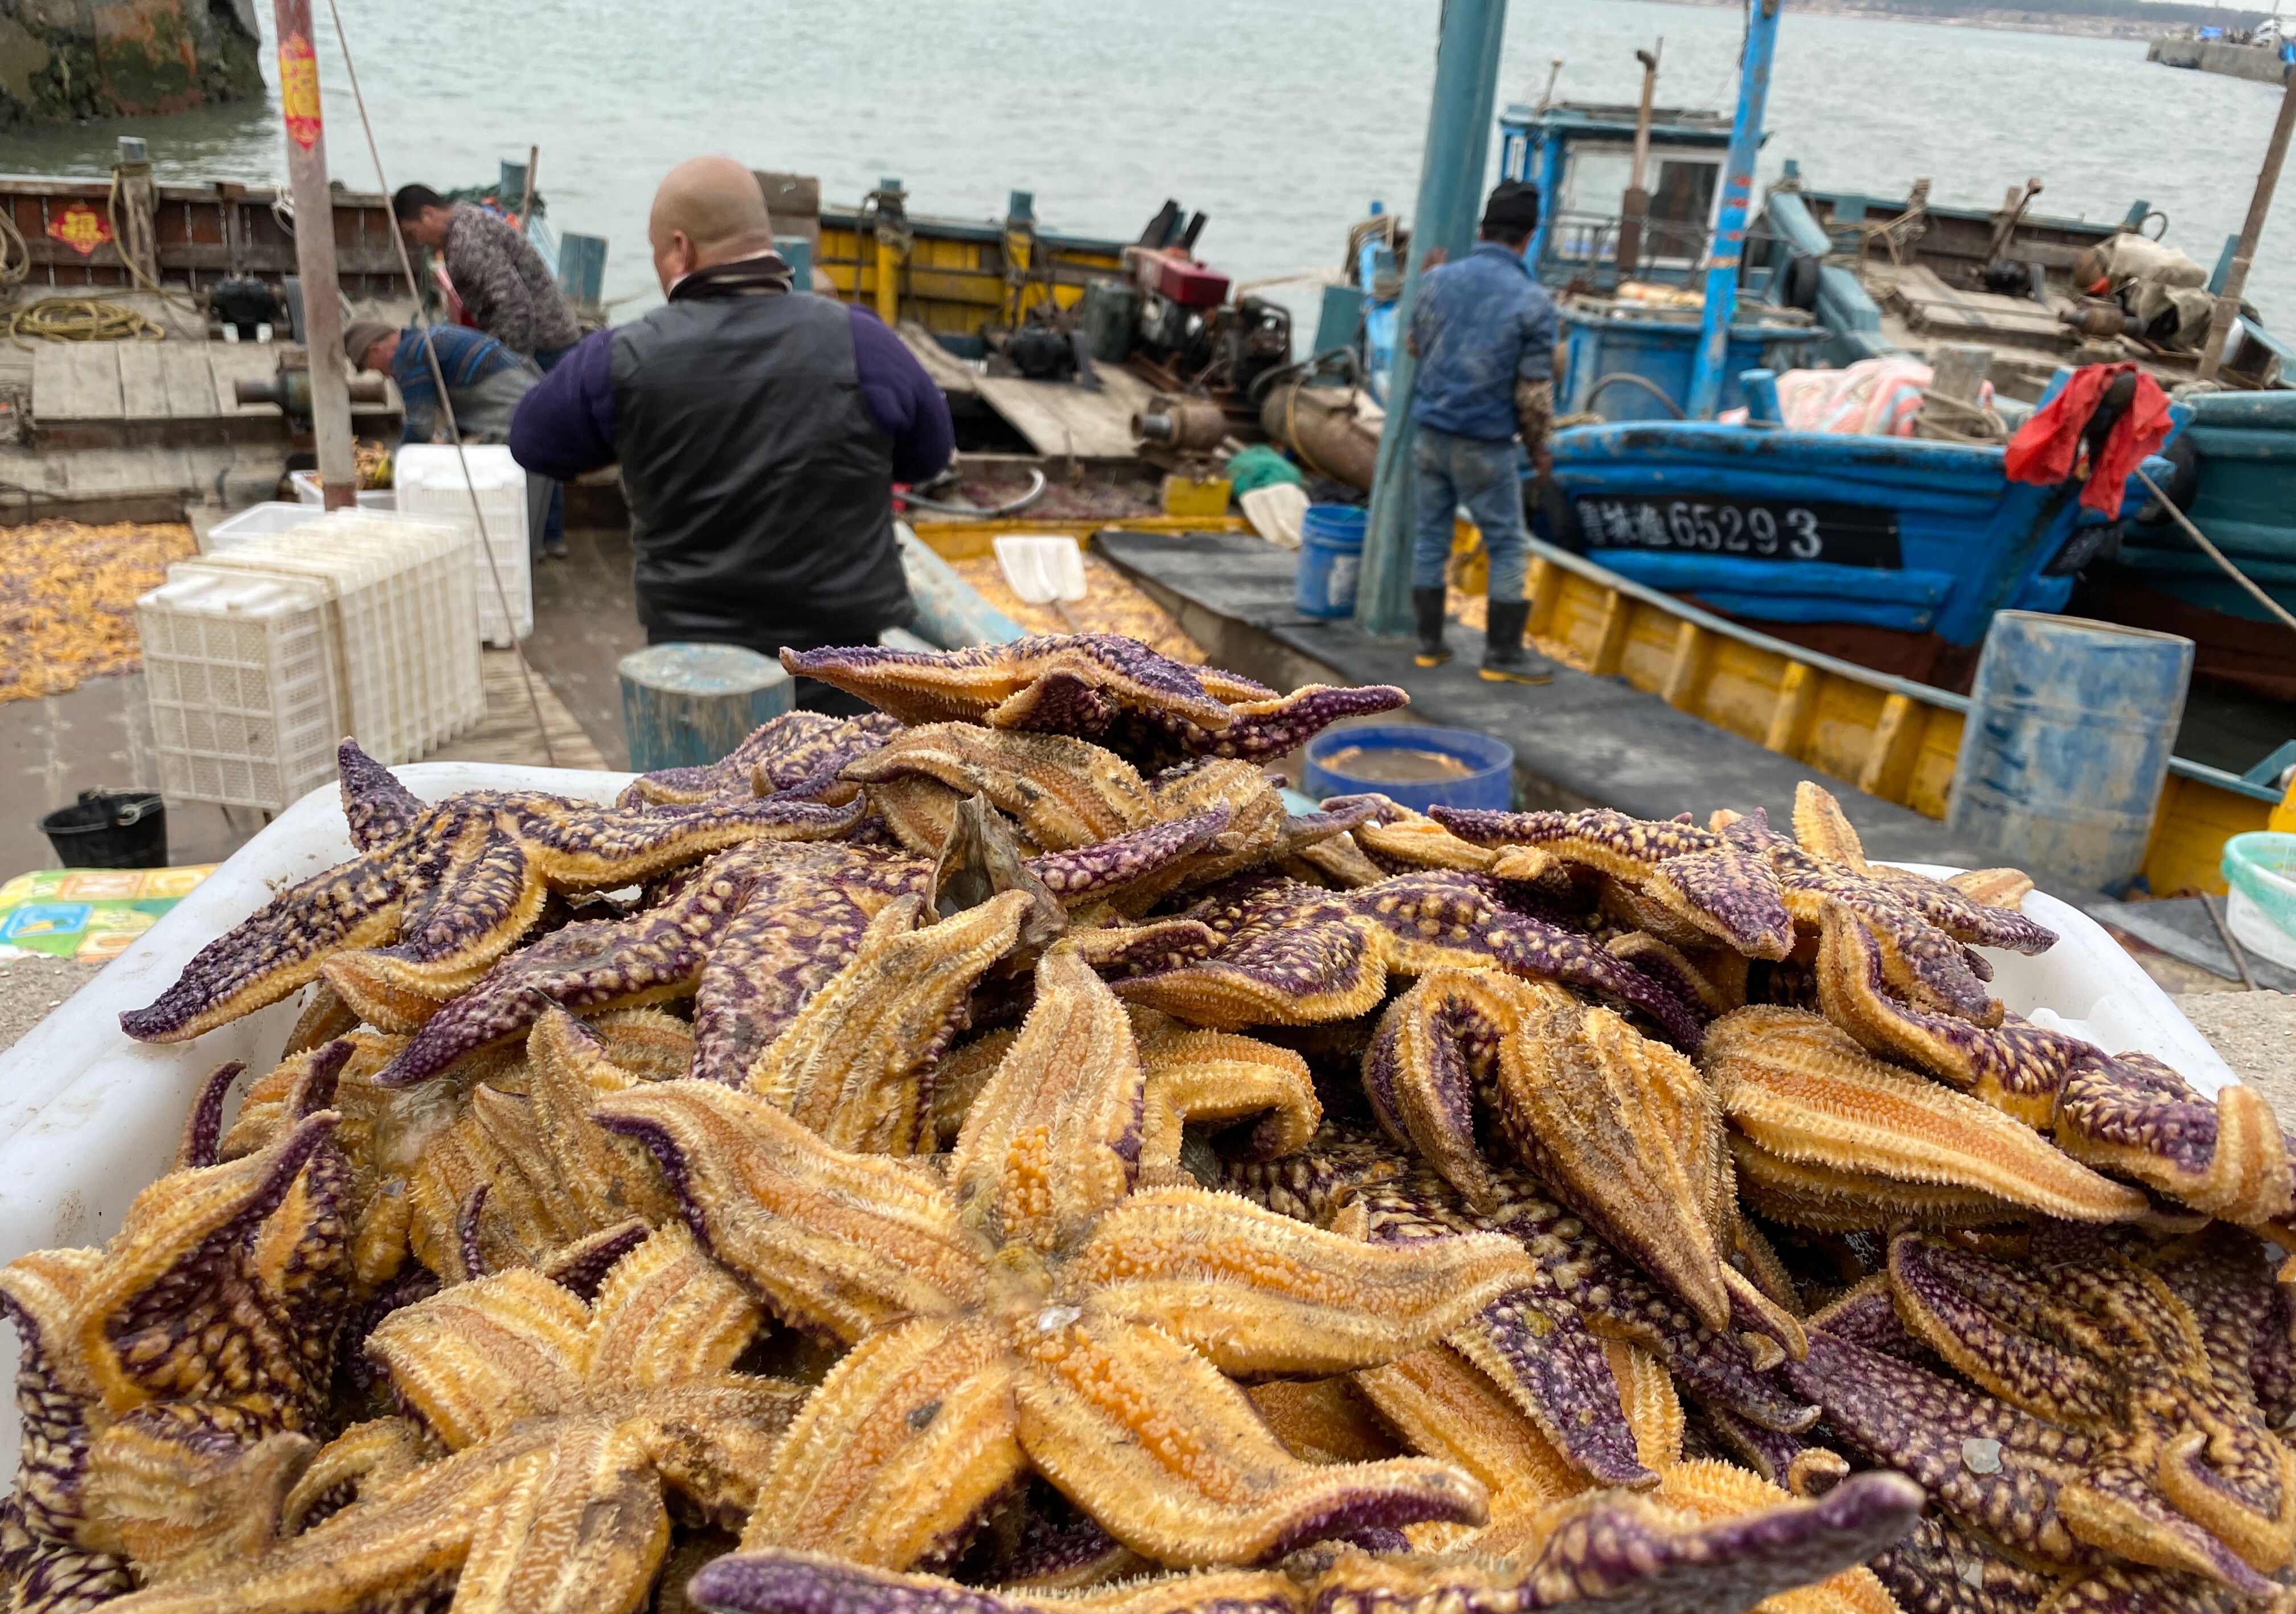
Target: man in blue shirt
(1483, 330)
(484, 383)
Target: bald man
(759, 433)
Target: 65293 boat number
(1756, 529)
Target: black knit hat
(1513, 210)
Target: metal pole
(1450, 186)
(1730, 231)
(314, 252)
(2244, 252)
(526, 199)
(1636, 206)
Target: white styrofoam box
(429, 482)
(2088, 987)
(89, 1118)
(240, 679)
(405, 617)
(308, 491)
(274, 515)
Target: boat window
(1682, 195)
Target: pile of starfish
(993, 1157)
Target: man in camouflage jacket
(505, 286)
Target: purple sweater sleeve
(564, 425)
(901, 395)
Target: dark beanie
(1513, 210)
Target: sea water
(1282, 120)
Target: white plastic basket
(241, 677)
(428, 478)
(274, 515)
(403, 616)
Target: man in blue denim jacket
(1483, 331)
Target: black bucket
(110, 830)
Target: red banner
(299, 89)
(80, 227)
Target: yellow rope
(81, 319)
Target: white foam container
(428, 478)
(91, 1117)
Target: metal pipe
(314, 252)
(1636, 207)
(2244, 252)
(1450, 182)
(1724, 262)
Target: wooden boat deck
(1059, 419)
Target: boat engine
(1179, 297)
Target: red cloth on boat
(2047, 446)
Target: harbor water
(1280, 121)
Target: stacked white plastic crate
(428, 481)
(241, 672)
(399, 620)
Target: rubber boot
(1504, 660)
(1427, 606)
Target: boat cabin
(1581, 158)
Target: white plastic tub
(91, 1117)
(88, 1117)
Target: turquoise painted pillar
(1737, 196)
(1450, 197)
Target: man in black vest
(759, 433)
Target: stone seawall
(62, 60)
(2215, 56)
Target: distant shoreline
(2001, 20)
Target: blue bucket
(2067, 743)
(1348, 762)
(1330, 549)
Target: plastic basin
(1349, 762)
(2260, 908)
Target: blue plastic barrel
(2070, 727)
(1346, 762)
(1331, 550)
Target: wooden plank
(142, 391)
(948, 373)
(75, 382)
(1063, 418)
(189, 378)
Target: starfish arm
(596, 1179)
(1537, 1350)
(1063, 793)
(376, 807)
(277, 950)
(1322, 967)
(712, 1438)
(782, 1582)
(976, 683)
(175, 1489)
(580, 848)
(1122, 862)
(1921, 962)
(2133, 1115)
(1799, 1193)
(48, 1575)
(1213, 1077)
(2014, 1067)
(1803, 1091)
(791, 935)
(856, 1064)
(1434, 1047)
(589, 965)
(1938, 1568)
(1149, 1439)
(581, 1532)
(1990, 1465)
(1259, 1293)
(1444, 1408)
(1627, 1134)
(487, 893)
(1980, 908)
(174, 1312)
(1053, 1138)
(1259, 731)
(2006, 1333)
(1526, 945)
(474, 1360)
(836, 1243)
(2115, 1588)
(401, 1549)
(2226, 1280)
(1398, 837)
(2114, 1505)
(892, 1460)
(665, 1314)
(1631, 1555)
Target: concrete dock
(2215, 56)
